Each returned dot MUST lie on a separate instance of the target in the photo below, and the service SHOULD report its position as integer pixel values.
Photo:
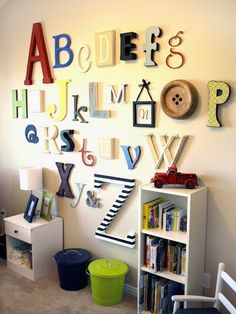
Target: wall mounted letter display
(31, 134)
(126, 150)
(164, 148)
(65, 136)
(111, 96)
(126, 46)
(64, 172)
(80, 187)
(106, 148)
(37, 44)
(92, 200)
(93, 112)
(50, 134)
(150, 45)
(219, 93)
(36, 101)
(65, 48)
(77, 111)
(174, 42)
(86, 56)
(51, 109)
(16, 103)
(87, 158)
(179, 99)
(105, 48)
(144, 111)
(100, 233)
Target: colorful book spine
(154, 256)
(183, 261)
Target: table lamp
(31, 178)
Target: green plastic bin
(107, 278)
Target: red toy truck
(174, 177)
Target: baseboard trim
(130, 290)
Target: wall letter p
(219, 93)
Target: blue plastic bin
(71, 266)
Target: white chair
(217, 301)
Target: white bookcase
(43, 238)
(195, 201)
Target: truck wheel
(190, 184)
(158, 184)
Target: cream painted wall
(209, 49)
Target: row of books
(176, 258)
(165, 215)
(155, 253)
(156, 294)
(162, 254)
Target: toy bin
(107, 278)
(71, 266)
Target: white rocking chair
(217, 301)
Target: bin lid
(108, 267)
(73, 256)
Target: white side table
(44, 239)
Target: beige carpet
(20, 295)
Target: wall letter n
(37, 41)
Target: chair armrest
(186, 298)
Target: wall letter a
(37, 41)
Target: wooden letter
(105, 48)
(86, 56)
(51, 109)
(88, 159)
(80, 187)
(129, 184)
(111, 96)
(31, 134)
(106, 148)
(35, 100)
(150, 45)
(50, 134)
(65, 136)
(16, 104)
(174, 42)
(126, 46)
(164, 145)
(92, 104)
(37, 42)
(126, 150)
(65, 48)
(219, 93)
(77, 111)
(64, 171)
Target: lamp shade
(31, 178)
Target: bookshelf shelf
(177, 236)
(195, 203)
(166, 274)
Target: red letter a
(37, 41)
